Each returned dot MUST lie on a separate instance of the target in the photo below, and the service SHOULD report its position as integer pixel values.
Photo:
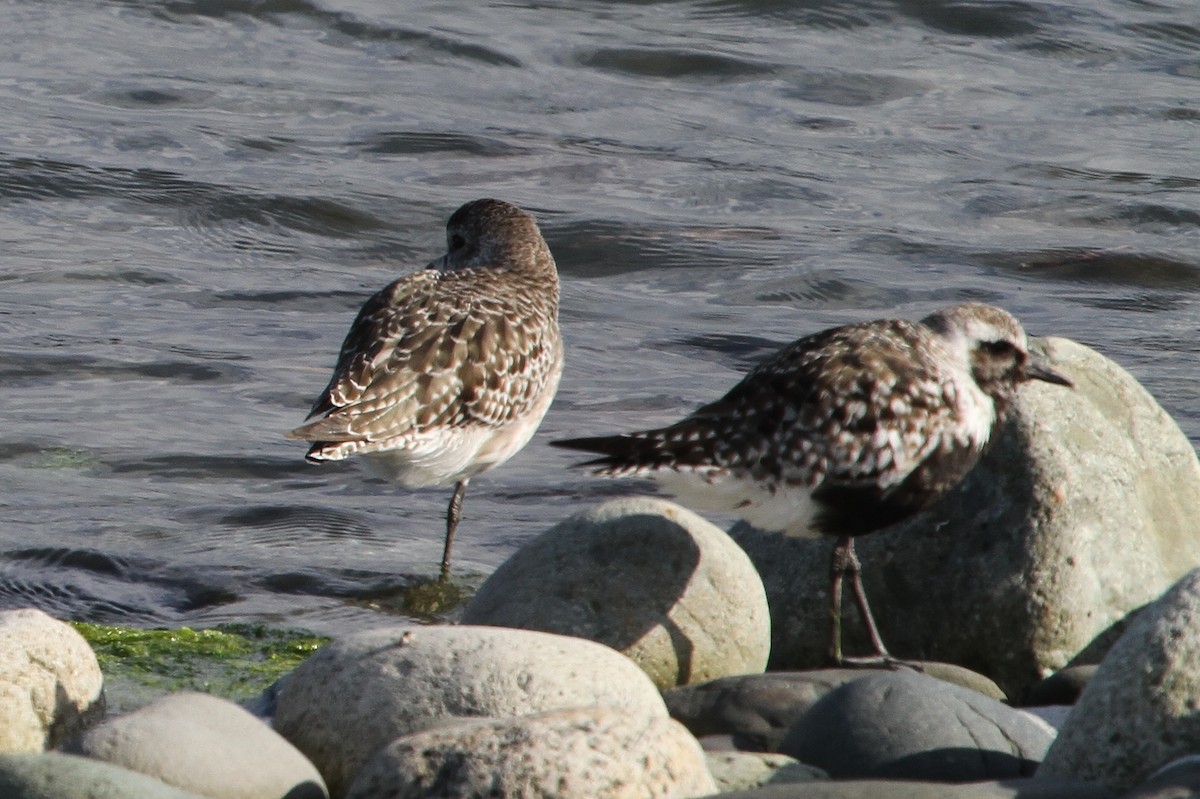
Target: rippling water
(198, 194)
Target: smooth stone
(50, 682)
(585, 753)
(357, 694)
(757, 710)
(739, 771)
(207, 745)
(1138, 712)
(904, 725)
(1179, 779)
(884, 789)
(1083, 509)
(644, 576)
(54, 775)
(1053, 715)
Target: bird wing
(435, 349)
(857, 405)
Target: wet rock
(361, 692)
(1138, 712)
(1083, 509)
(588, 753)
(904, 725)
(53, 775)
(50, 682)
(206, 745)
(644, 576)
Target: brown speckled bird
(841, 433)
(447, 373)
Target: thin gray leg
(452, 516)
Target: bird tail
(625, 454)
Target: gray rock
(739, 771)
(1082, 510)
(206, 745)
(904, 725)
(54, 775)
(757, 710)
(586, 753)
(50, 683)
(1053, 715)
(361, 692)
(644, 576)
(1179, 779)
(1138, 711)
(869, 789)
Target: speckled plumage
(447, 372)
(842, 432)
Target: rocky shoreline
(625, 653)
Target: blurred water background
(197, 195)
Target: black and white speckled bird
(841, 433)
(447, 373)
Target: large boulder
(50, 683)
(206, 745)
(1083, 509)
(1138, 711)
(359, 693)
(586, 753)
(644, 576)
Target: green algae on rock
(236, 661)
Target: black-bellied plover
(841, 433)
(447, 373)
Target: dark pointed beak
(1038, 369)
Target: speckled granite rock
(361, 692)
(884, 789)
(50, 682)
(587, 753)
(1138, 712)
(648, 578)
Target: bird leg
(845, 562)
(452, 516)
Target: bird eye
(1000, 347)
(457, 242)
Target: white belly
(790, 510)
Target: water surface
(197, 195)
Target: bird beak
(1038, 369)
